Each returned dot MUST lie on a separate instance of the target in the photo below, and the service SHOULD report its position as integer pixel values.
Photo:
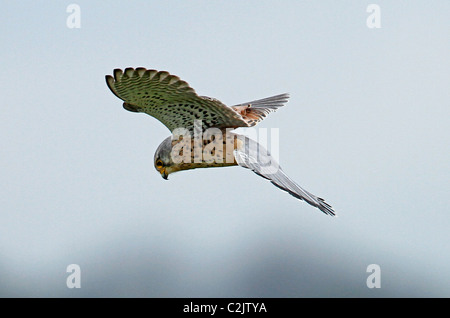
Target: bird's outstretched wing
(170, 100)
(255, 111)
(255, 157)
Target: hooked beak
(164, 174)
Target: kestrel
(174, 103)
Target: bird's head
(163, 160)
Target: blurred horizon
(367, 128)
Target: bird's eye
(159, 164)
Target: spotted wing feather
(170, 100)
(255, 111)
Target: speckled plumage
(170, 100)
(173, 102)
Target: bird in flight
(187, 115)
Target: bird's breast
(205, 150)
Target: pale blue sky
(367, 128)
